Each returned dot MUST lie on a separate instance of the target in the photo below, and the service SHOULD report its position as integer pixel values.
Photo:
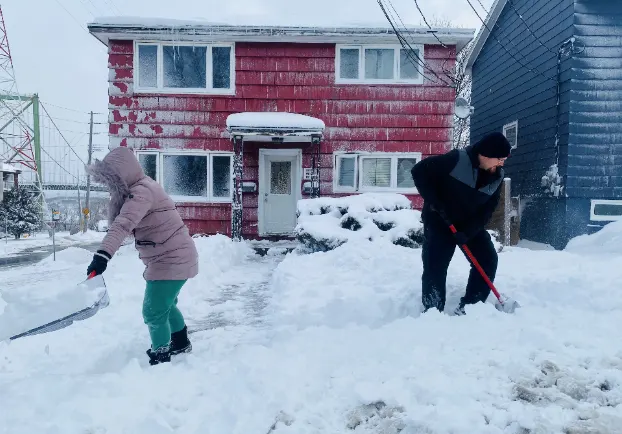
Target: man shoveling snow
(139, 205)
(461, 190)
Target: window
(188, 177)
(606, 210)
(379, 64)
(378, 171)
(189, 68)
(510, 131)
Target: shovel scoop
(506, 304)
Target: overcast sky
(56, 57)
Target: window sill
(200, 200)
(182, 91)
(380, 82)
(409, 191)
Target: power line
(428, 24)
(409, 49)
(72, 110)
(528, 28)
(60, 165)
(73, 131)
(503, 46)
(61, 134)
(72, 16)
(113, 5)
(95, 6)
(76, 122)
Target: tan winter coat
(139, 205)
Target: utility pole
(87, 210)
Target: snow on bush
(326, 223)
(552, 182)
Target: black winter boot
(161, 355)
(180, 342)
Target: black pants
(438, 248)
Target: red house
(239, 122)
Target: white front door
(279, 190)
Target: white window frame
(210, 198)
(396, 65)
(209, 79)
(511, 125)
(604, 218)
(338, 156)
(358, 168)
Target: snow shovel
(92, 283)
(504, 304)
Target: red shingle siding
(297, 78)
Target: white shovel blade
(508, 305)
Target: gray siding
(504, 91)
(595, 150)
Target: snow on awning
(275, 127)
(7, 168)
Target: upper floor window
(381, 64)
(184, 68)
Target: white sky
(54, 55)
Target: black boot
(180, 342)
(161, 355)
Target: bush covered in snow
(20, 211)
(326, 223)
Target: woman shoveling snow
(139, 205)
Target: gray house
(548, 73)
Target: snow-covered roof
(482, 36)
(275, 124)
(136, 28)
(7, 168)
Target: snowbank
(359, 283)
(340, 349)
(327, 223)
(606, 241)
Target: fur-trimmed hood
(119, 170)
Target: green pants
(160, 311)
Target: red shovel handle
(467, 252)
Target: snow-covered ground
(330, 342)
(10, 246)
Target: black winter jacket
(453, 182)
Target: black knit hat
(494, 145)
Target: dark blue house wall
(595, 145)
(503, 91)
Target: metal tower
(19, 127)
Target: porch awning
(275, 127)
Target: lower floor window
(190, 176)
(378, 171)
(606, 210)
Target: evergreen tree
(21, 211)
